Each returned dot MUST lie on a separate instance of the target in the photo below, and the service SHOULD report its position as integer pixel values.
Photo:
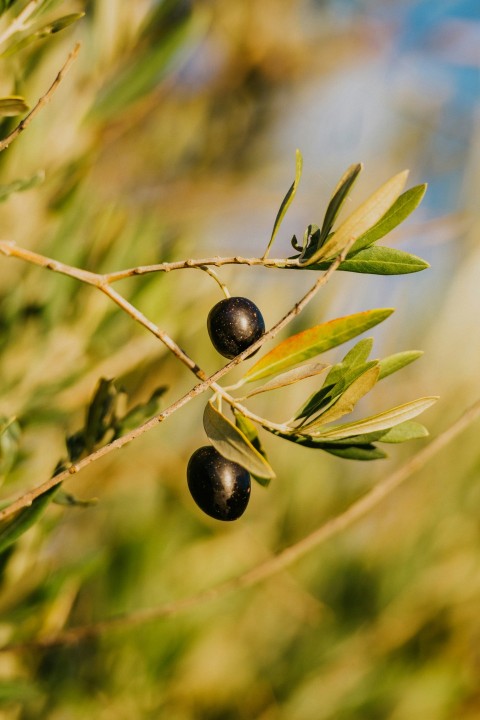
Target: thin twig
(216, 261)
(27, 498)
(42, 101)
(273, 565)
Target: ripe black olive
(234, 324)
(220, 487)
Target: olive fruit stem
(214, 275)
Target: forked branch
(12, 250)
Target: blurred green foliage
(161, 124)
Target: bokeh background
(174, 136)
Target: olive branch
(349, 246)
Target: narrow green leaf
(21, 185)
(377, 260)
(287, 200)
(12, 105)
(43, 32)
(316, 340)
(354, 452)
(311, 240)
(141, 412)
(340, 193)
(337, 381)
(359, 353)
(101, 413)
(61, 23)
(395, 362)
(348, 399)
(381, 421)
(232, 443)
(69, 500)
(408, 430)
(250, 431)
(9, 443)
(399, 211)
(365, 451)
(362, 219)
(290, 377)
(12, 529)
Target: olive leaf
(355, 452)
(375, 260)
(9, 443)
(360, 451)
(348, 398)
(141, 412)
(69, 500)
(50, 29)
(403, 206)
(250, 431)
(233, 444)
(381, 421)
(314, 341)
(405, 431)
(287, 200)
(340, 193)
(343, 374)
(12, 528)
(393, 363)
(101, 413)
(362, 219)
(338, 380)
(12, 105)
(21, 185)
(290, 377)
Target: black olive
(234, 324)
(220, 487)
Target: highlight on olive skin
(220, 487)
(234, 324)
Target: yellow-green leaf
(347, 401)
(247, 427)
(290, 377)
(232, 443)
(381, 421)
(362, 219)
(12, 105)
(316, 340)
(12, 528)
(287, 200)
(393, 363)
(375, 260)
(340, 193)
(403, 206)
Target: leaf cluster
(345, 384)
(381, 213)
(104, 422)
